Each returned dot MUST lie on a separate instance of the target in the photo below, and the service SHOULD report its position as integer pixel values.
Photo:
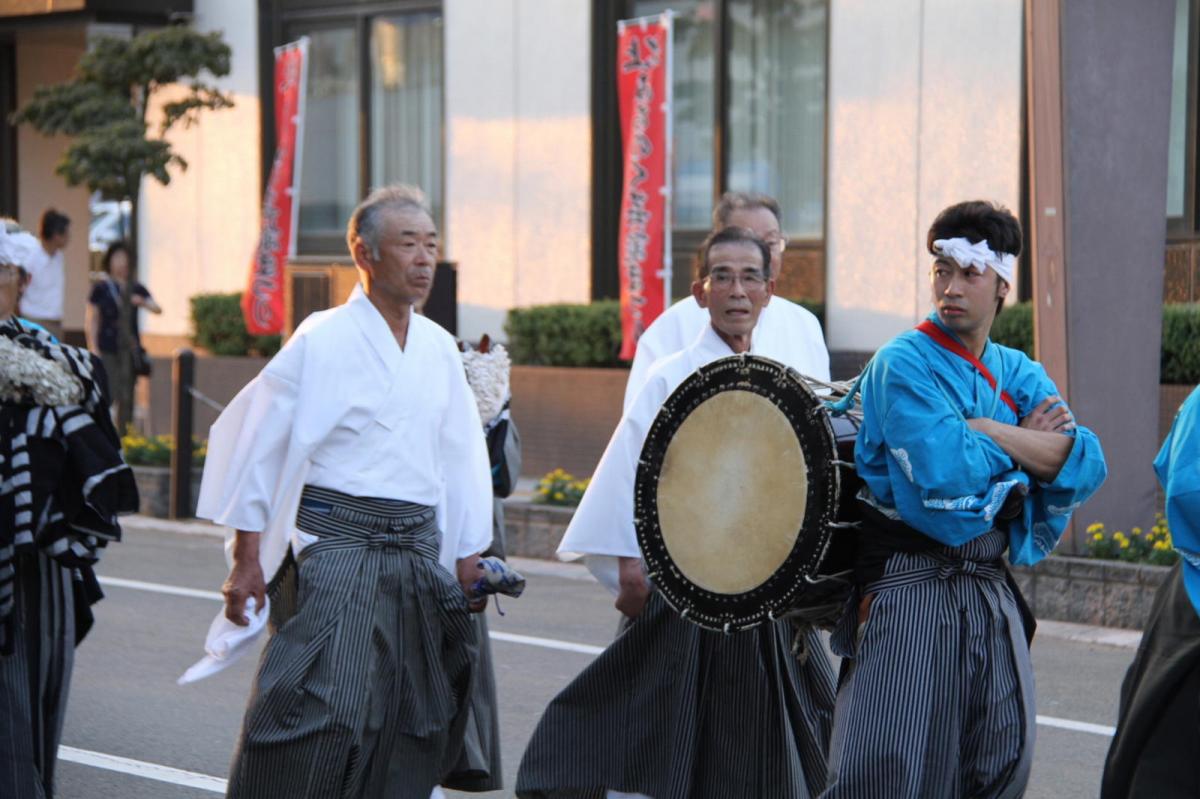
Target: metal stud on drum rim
(677, 505)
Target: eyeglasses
(724, 279)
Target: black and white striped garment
(937, 693)
(63, 481)
(673, 711)
(363, 691)
(35, 676)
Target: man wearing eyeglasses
(668, 710)
(785, 331)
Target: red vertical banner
(643, 251)
(262, 302)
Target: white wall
(199, 232)
(518, 155)
(924, 111)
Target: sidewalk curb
(1059, 630)
(190, 527)
(1089, 634)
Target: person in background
(42, 302)
(111, 336)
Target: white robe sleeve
(467, 511)
(248, 448)
(602, 528)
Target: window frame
(278, 19)
(1187, 226)
(606, 149)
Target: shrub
(1014, 327)
(221, 329)
(560, 488)
(566, 335)
(1153, 546)
(1181, 343)
(142, 450)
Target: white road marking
(138, 768)
(551, 643)
(1076, 726)
(547, 643)
(159, 588)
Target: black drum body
(744, 487)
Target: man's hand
(245, 579)
(1050, 419)
(633, 590)
(468, 572)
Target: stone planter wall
(533, 530)
(154, 490)
(1088, 591)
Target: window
(749, 115)
(374, 107)
(1181, 149)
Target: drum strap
(938, 335)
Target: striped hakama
(674, 711)
(362, 692)
(478, 767)
(34, 679)
(937, 693)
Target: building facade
(864, 117)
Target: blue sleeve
(948, 480)
(1178, 468)
(96, 295)
(1049, 506)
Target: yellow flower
(1095, 528)
(1161, 545)
(559, 496)
(1137, 531)
(1124, 543)
(1098, 536)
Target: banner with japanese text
(643, 244)
(262, 302)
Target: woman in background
(118, 342)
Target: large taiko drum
(741, 495)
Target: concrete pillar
(1116, 84)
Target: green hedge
(566, 335)
(590, 335)
(221, 329)
(1181, 343)
(1014, 327)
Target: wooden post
(1047, 214)
(182, 376)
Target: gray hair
(366, 222)
(743, 201)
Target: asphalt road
(132, 732)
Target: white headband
(17, 248)
(978, 254)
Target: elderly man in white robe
(785, 331)
(329, 466)
(668, 710)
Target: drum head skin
(735, 491)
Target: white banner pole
(668, 176)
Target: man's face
(58, 241)
(736, 289)
(12, 283)
(965, 298)
(762, 223)
(408, 252)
